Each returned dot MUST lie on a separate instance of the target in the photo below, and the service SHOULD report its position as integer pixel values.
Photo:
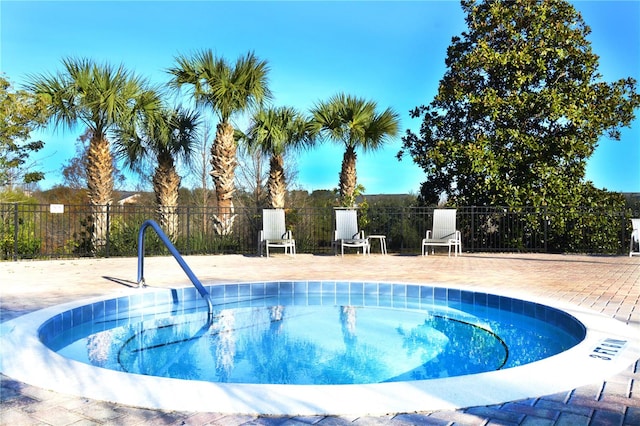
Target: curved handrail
(176, 254)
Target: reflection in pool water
(318, 341)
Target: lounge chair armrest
(428, 235)
(457, 236)
(287, 235)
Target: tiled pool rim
(604, 338)
(331, 293)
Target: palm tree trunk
(166, 183)
(348, 177)
(277, 184)
(99, 185)
(223, 163)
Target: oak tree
(519, 110)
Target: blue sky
(390, 52)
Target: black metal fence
(55, 231)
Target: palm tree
(102, 98)
(166, 135)
(228, 89)
(355, 123)
(274, 131)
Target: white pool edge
(609, 347)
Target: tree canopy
(228, 89)
(519, 110)
(100, 97)
(162, 137)
(356, 123)
(274, 131)
(20, 113)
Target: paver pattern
(606, 284)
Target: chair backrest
(346, 224)
(444, 223)
(273, 226)
(635, 233)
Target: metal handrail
(176, 254)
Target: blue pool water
(312, 332)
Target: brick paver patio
(606, 284)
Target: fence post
(546, 228)
(403, 215)
(188, 218)
(623, 231)
(107, 231)
(473, 227)
(15, 232)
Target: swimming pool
(309, 333)
(564, 370)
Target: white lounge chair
(635, 238)
(444, 232)
(347, 234)
(274, 232)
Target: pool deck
(605, 284)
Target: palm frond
(226, 88)
(355, 123)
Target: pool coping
(600, 355)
